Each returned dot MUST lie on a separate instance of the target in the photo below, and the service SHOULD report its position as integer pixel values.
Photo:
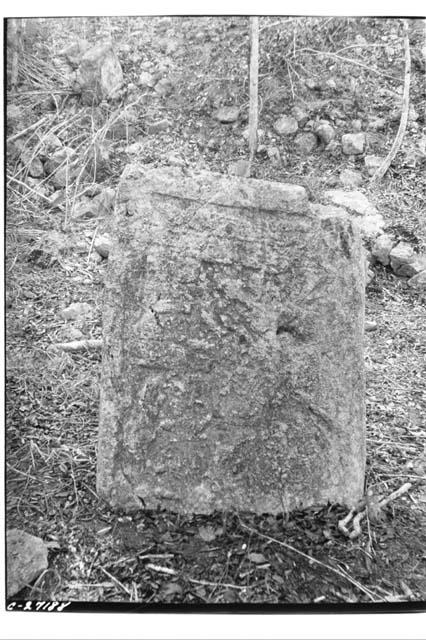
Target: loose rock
(356, 126)
(350, 178)
(368, 220)
(63, 176)
(418, 281)
(286, 125)
(103, 245)
(49, 247)
(34, 164)
(334, 148)
(213, 144)
(100, 74)
(274, 155)
(227, 114)
(175, 160)
(369, 276)
(405, 262)
(381, 248)
(71, 333)
(74, 52)
(164, 87)
(26, 559)
(50, 144)
(124, 126)
(314, 84)
(369, 225)
(134, 148)
(354, 201)
(76, 310)
(39, 187)
(370, 325)
(325, 132)
(305, 142)
(301, 115)
(353, 143)
(377, 124)
(413, 268)
(64, 155)
(146, 79)
(372, 163)
(400, 256)
(85, 208)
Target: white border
(193, 626)
(217, 7)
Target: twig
(349, 60)
(173, 572)
(151, 556)
(91, 244)
(206, 583)
(291, 81)
(158, 569)
(19, 94)
(39, 195)
(92, 585)
(338, 572)
(116, 581)
(22, 473)
(404, 115)
(28, 129)
(78, 345)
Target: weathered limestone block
(233, 373)
(99, 74)
(26, 559)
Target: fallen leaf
(208, 534)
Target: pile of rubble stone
(401, 258)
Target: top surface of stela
(233, 374)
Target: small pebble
(370, 325)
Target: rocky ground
(330, 106)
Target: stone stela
(233, 371)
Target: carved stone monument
(233, 372)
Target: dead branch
(117, 582)
(254, 78)
(404, 115)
